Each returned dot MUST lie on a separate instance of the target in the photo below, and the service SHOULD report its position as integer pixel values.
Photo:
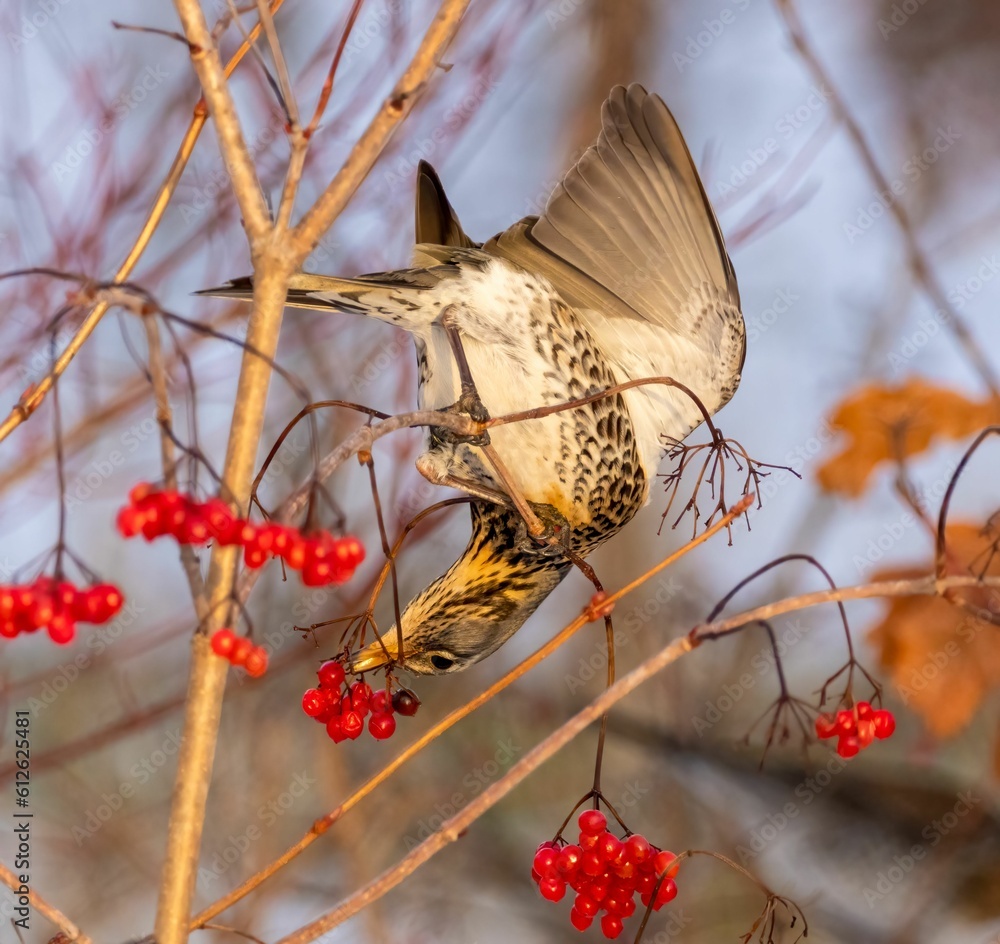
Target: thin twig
(69, 930)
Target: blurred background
(91, 118)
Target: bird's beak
(374, 656)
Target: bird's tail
(382, 295)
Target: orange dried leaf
(942, 659)
(883, 424)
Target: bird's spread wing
(629, 231)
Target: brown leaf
(942, 659)
(884, 424)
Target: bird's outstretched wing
(629, 231)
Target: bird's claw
(552, 541)
(470, 405)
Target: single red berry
(609, 846)
(223, 642)
(846, 723)
(241, 650)
(866, 731)
(381, 702)
(885, 723)
(61, 629)
(665, 863)
(546, 861)
(638, 848)
(254, 557)
(331, 674)
(612, 926)
(848, 746)
(592, 822)
(316, 573)
(598, 890)
(586, 905)
(667, 892)
(826, 726)
(353, 724)
(552, 889)
(863, 710)
(314, 702)
(405, 702)
(569, 859)
(335, 729)
(591, 862)
(256, 663)
(580, 921)
(381, 725)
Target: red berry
(335, 729)
(361, 694)
(637, 848)
(848, 746)
(381, 701)
(846, 722)
(612, 926)
(569, 859)
(667, 892)
(331, 674)
(580, 921)
(314, 702)
(546, 861)
(864, 710)
(223, 642)
(552, 889)
(382, 725)
(256, 662)
(866, 731)
(885, 723)
(586, 905)
(665, 863)
(405, 702)
(353, 724)
(242, 648)
(826, 726)
(591, 862)
(61, 629)
(592, 822)
(609, 846)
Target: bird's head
(462, 617)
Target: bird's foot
(553, 540)
(470, 405)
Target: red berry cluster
(321, 557)
(855, 728)
(240, 651)
(57, 605)
(343, 708)
(606, 873)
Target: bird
(623, 276)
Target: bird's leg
(470, 403)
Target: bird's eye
(442, 663)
